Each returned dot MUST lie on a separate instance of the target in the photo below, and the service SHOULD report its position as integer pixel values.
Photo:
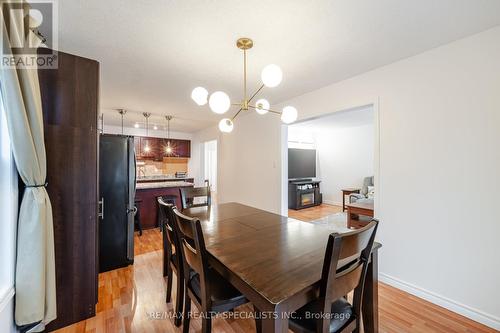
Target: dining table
(275, 261)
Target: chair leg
(169, 283)
(187, 314)
(179, 300)
(166, 257)
(258, 320)
(206, 324)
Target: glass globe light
(289, 114)
(199, 95)
(226, 125)
(136, 125)
(168, 150)
(261, 106)
(155, 127)
(147, 149)
(219, 102)
(271, 76)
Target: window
(210, 162)
(8, 209)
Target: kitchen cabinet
(157, 148)
(70, 97)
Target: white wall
(439, 122)
(345, 157)
(196, 165)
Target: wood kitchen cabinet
(70, 97)
(181, 148)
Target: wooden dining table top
(275, 255)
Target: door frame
(376, 153)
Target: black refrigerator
(117, 192)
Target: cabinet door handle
(101, 208)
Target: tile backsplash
(169, 166)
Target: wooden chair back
(188, 195)
(194, 254)
(344, 269)
(169, 229)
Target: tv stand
(303, 193)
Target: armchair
(362, 196)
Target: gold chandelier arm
(272, 111)
(255, 93)
(237, 113)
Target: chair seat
(305, 319)
(223, 295)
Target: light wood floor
(314, 213)
(150, 241)
(132, 299)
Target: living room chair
(207, 289)
(363, 194)
(344, 269)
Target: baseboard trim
(333, 203)
(462, 309)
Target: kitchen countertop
(164, 184)
(161, 179)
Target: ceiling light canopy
(219, 102)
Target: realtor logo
(30, 27)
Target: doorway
(334, 152)
(210, 164)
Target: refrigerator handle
(101, 208)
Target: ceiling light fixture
(219, 102)
(146, 115)
(136, 125)
(168, 148)
(122, 113)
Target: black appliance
(301, 163)
(117, 176)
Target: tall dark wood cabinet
(70, 97)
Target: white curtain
(35, 266)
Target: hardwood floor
(132, 299)
(151, 240)
(314, 213)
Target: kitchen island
(146, 199)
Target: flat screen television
(301, 163)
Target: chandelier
(220, 103)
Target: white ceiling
(338, 120)
(153, 53)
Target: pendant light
(122, 113)
(168, 148)
(146, 115)
(219, 102)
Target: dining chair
(344, 269)
(172, 261)
(207, 289)
(189, 194)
